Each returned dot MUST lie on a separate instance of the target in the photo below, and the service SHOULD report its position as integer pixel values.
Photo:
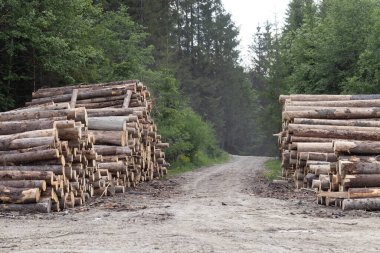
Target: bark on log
(341, 134)
(118, 138)
(48, 176)
(41, 207)
(29, 156)
(20, 126)
(336, 122)
(361, 180)
(299, 127)
(303, 97)
(319, 169)
(41, 184)
(347, 167)
(357, 147)
(338, 103)
(339, 113)
(56, 169)
(107, 123)
(112, 150)
(315, 147)
(356, 193)
(19, 195)
(368, 204)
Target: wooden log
(341, 134)
(20, 126)
(48, 92)
(74, 133)
(40, 184)
(19, 195)
(338, 103)
(348, 167)
(359, 158)
(99, 99)
(74, 97)
(357, 147)
(56, 169)
(319, 169)
(298, 127)
(356, 193)
(336, 122)
(368, 204)
(361, 180)
(296, 139)
(110, 112)
(112, 150)
(127, 99)
(107, 123)
(325, 182)
(27, 145)
(83, 94)
(30, 156)
(48, 176)
(315, 147)
(322, 97)
(44, 206)
(338, 113)
(12, 116)
(118, 138)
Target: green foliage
(272, 169)
(193, 141)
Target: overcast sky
(248, 14)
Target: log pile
(331, 143)
(71, 143)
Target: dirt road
(210, 210)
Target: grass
(272, 169)
(177, 169)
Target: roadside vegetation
(272, 169)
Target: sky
(248, 14)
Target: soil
(222, 208)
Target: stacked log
(71, 143)
(39, 148)
(330, 143)
(125, 134)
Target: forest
(186, 51)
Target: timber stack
(71, 143)
(331, 143)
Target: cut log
(30, 156)
(304, 97)
(40, 184)
(41, 207)
(336, 122)
(107, 123)
(341, 134)
(339, 113)
(357, 147)
(315, 147)
(19, 195)
(347, 167)
(369, 204)
(48, 176)
(118, 138)
(361, 180)
(356, 193)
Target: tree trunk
(357, 147)
(30, 156)
(40, 184)
(315, 147)
(368, 204)
(41, 207)
(19, 195)
(336, 122)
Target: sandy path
(209, 211)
